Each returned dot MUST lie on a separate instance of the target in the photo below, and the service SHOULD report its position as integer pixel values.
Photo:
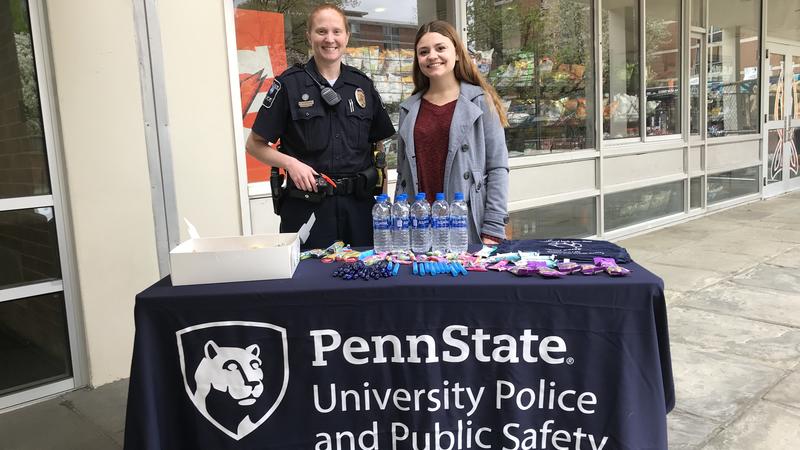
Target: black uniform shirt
(332, 139)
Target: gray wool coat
(477, 160)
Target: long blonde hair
(465, 68)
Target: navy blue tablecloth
(486, 360)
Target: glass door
(697, 120)
(35, 307)
(782, 119)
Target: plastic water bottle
(440, 217)
(420, 225)
(400, 235)
(458, 224)
(382, 224)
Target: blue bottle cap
(381, 198)
(420, 196)
(459, 196)
(400, 197)
(440, 196)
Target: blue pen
(453, 271)
(422, 268)
(414, 268)
(396, 269)
(389, 266)
(462, 269)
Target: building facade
(120, 119)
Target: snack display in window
(546, 102)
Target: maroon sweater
(431, 139)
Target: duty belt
(342, 186)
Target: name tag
(306, 104)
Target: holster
(366, 183)
(278, 191)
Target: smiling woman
(380, 45)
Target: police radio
(331, 97)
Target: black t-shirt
(335, 139)
(579, 250)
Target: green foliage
(19, 16)
(30, 88)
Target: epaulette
(292, 69)
(354, 70)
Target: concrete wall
(99, 100)
(94, 48)
(201, 121)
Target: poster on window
(262, 56)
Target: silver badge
(304, 96)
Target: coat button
(466, 175)
(307, 114)
(465, 147)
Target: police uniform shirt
(335, 140)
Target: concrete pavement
(733, 296)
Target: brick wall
(23, 161)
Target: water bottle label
(401, 224)
(458, 222)
(420, 223)
(381, 224)
(440, 222)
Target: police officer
(326, 115)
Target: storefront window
(271, 36)
(697, 13)
(662, 37)
(538, 55)
(573, 219)
(695, 68)
(621, 84)
(782, 19)
(696, 193)
(735, 183)
(639, 205)
(733, 62)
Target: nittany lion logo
(235, 373)
(565, 244)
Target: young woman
(330, 135)
(451, 133)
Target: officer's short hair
(322, 6)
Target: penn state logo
(235, 373)
(565, 244)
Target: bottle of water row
(458, 224)
(420, 224)
(400, 235)
(440, 216)
(382, 224)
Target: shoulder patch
(272, 93)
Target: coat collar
(468, 91)
(465, 114)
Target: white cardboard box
(238, 258)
